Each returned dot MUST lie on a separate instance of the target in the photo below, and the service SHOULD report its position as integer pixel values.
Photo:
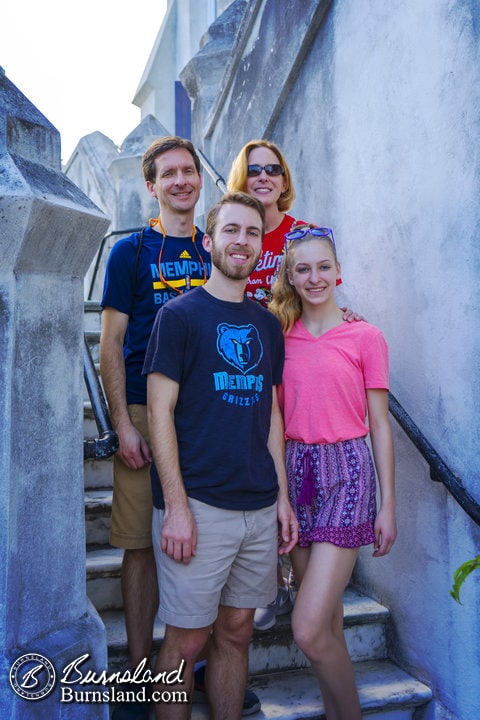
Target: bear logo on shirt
(240, 346)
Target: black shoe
(251, 702)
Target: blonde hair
(237, 179)
(286, 304)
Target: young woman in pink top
(261, 170)
(335, 372)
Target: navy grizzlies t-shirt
(225, 356)
(184, 265)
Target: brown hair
(237, 179)
(230, 198)
(162, 145)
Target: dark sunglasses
(255, 170)
(315, 231)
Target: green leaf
(461, 574)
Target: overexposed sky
(80, 63)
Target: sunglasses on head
(273, 169)
(315, 231)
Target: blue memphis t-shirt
(181, 266)
(226, 357)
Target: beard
(237, 272)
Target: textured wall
(50, 231)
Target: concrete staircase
(279, 672)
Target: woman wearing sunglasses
(334, 373)
(261, 171)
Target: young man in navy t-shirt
(213, 362)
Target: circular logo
(32, 676)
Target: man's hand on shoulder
(350, 315)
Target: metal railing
(217, 179)
(100, 254)
(439, 470)
(102, 447)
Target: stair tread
(294, 695)
(114, 621)
(355, 604)
(104, 561)
(357, 609)
(99, 498)
(92, 306)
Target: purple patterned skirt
(332, 490)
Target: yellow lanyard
(187, 282)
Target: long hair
(237, 179)
(286, 303)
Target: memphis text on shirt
(182, 274)
(226, 383)
(141, 677)
(239, 346)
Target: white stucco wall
(382, 128)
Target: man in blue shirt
(144, 271)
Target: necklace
(179, 286)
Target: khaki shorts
(132, 496)
(235, 565)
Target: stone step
(98, 507)
(386, 692)
(90, 429)
(272, 650)
(98, 474)
(103, 577)
(92, 313)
